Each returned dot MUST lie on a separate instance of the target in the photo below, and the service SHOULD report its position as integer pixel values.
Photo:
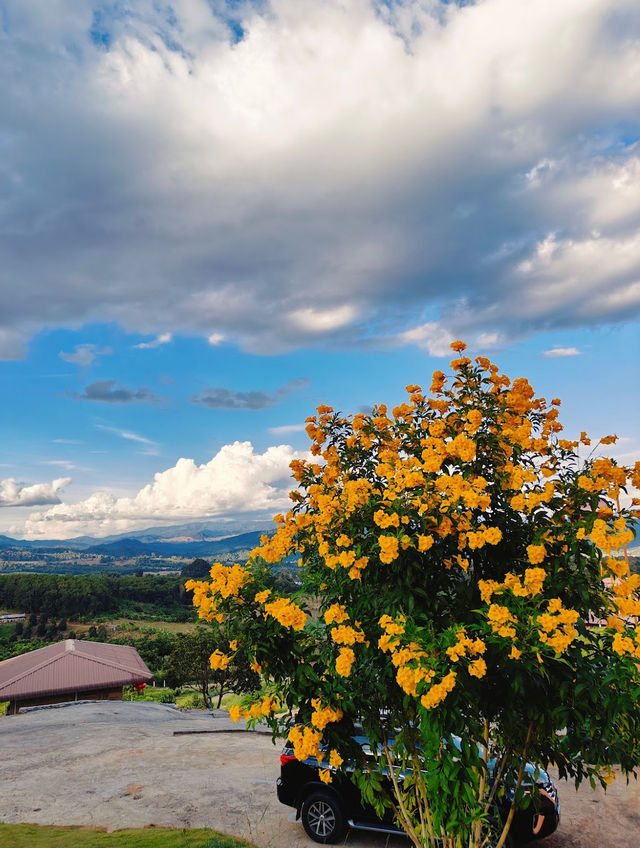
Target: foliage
(455, 548)
(154, 648)
(35, 836)
(189, 665)
(198, 568)
(65, 596)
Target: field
(35, 836)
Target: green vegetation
(64, 595)
(189, 666)
(35, 836)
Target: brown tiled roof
(70, 666)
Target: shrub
(455, 549)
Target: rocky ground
(116, 765)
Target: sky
(215, 216)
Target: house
(71, 670)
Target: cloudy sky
(216, 215)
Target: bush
(455, 549)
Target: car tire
(322, 818)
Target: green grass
(35, 836)
(155, 694)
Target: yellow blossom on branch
(287, 613)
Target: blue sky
(216, 216)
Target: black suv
(327, 810)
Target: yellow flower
(336, 613)
(322, 716)
(233, 644)
(383, 520)
(533, 580)
(388, 548)
(536, 553)
(261, 597)
(493, 535)
(515, 654)
(344, 661)
(324, 775)
(346, 635)
(234, 712)
(218, 661)
(439, 691)
(424, 543)
(487, 589)
(287, 613)
(335, 759)
(478, 668)
(306, 742)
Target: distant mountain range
(194, 539)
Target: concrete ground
(116, 765)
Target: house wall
(63, 697)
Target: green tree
(198, 568)
(451, 552)
(189, 666)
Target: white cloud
(161, 339)
(60, 463)
(431, 337)
(84, 354)
(344, 172)
(235, 481)
(128, 435)
(554, 352)
(287, 428)
(322, 320)
(215, 339)
(14, 493)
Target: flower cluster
(556, 626)
(438, 692)
(219, 661)
(305, 741)
(501, 621)
(344, 661)
(322, 716)
(288, 613)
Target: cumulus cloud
(318, 172)
(106, 391)
(14, 493)
(221, 398)
(555, 352)
(236, 481)
(161, 339)
(84, 354)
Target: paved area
(115, 765)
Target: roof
(70, 666)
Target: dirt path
(134, 765)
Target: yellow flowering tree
(456, 547)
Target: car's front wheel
(322, 818)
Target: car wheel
(322, 818)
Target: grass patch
(36, 836)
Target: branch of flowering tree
(404, 815)
(512, 809)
